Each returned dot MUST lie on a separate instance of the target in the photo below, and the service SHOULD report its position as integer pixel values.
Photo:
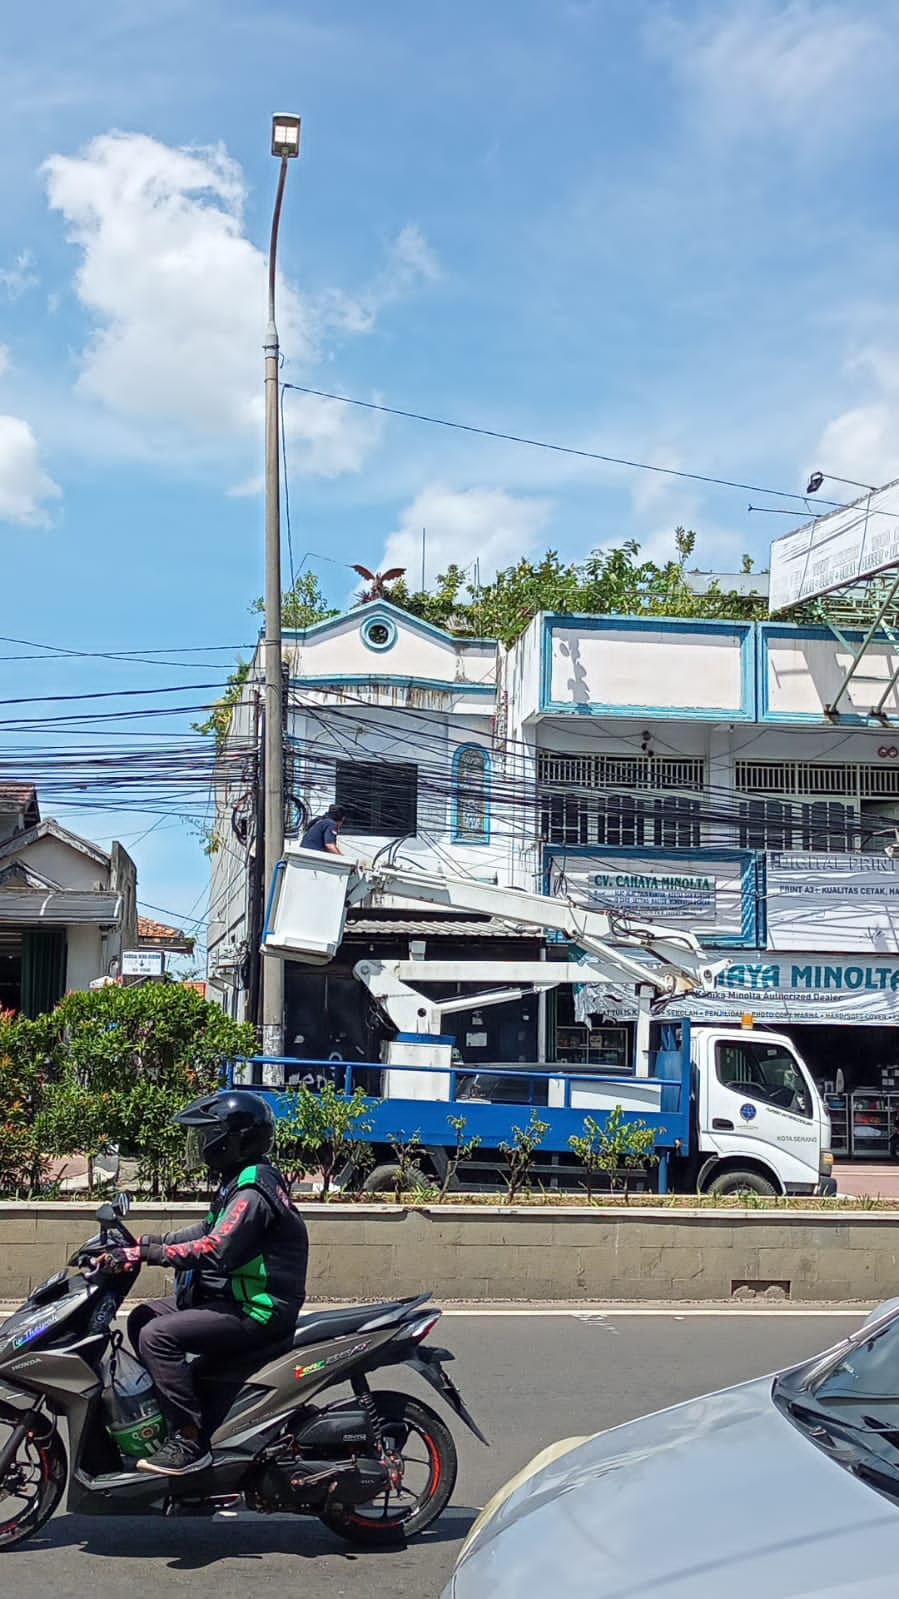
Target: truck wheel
(383, 1179)
(742, 1182)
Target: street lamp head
(814, 482)
(285, 135)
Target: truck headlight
(825, 1162)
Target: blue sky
(661, 232)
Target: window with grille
(824, 825)
(805, 816)
(643, 815)
(854, 781)
(636, 773)
(378, 797)
(471, 767)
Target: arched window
(471, 795)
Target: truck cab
(760, 1120)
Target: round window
(378, 633)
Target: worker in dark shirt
(322, 833)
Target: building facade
(687, 771)
(67, 907)
(399, 723)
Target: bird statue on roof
(377, 581)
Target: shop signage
(714, 893)
(833, 902)
(666, 892)
(796, 987)
(143, 962)
(841, 547)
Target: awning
(445, 928)
(59, 907)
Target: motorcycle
(377, 1467)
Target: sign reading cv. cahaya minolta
(712, 892)
(796, 987)
(833, 902)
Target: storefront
(841, 1011)
(331, 1018)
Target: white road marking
(682, 1313)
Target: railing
(345, 1075)
(491, 1120)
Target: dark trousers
(164, 1336)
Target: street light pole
(285, 144)
(817, 478)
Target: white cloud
(410, 262)
(801, 68)
(177, 294)
(24, 485)
(860, 442)
(411, 258)
(462, 526)
(19, 278)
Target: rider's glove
(116, 1261)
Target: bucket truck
(732, 1109)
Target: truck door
(759, 1103)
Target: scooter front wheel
(424, 1455)
(32, 1484)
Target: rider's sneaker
(177, 1457)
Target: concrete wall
(85, 955)
(503, 1253)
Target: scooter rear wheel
(32, 1485)
(415, 1435)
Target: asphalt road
(529, 1379)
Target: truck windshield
(758, 1070)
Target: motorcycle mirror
(122, 1204)
(106, 1214)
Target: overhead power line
(109, 694)
(556, 449)
(49, 652)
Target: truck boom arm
(312, 892)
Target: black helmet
(229, 1130)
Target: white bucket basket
(307, 908)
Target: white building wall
(633, 667)
(87, 955)
(801, 675)
(63, 864)
(428, 740)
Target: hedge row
(109, 1067)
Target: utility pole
(285, 145)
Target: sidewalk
(868, 1178)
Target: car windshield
(867, 1374)
(848, 1405)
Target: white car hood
(720, 1496)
